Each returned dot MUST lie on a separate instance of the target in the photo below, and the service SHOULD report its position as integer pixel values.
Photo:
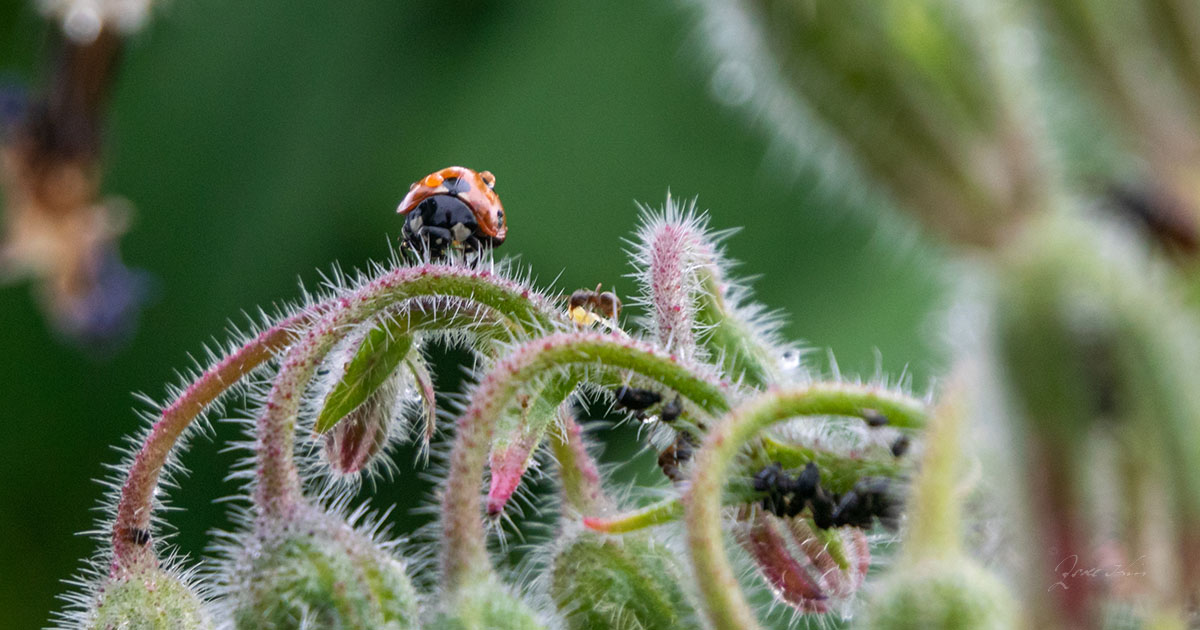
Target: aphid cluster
(871, 499)
(672, 460)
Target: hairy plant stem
(724, 603)
(277, 490)
(464, 546)
(137, 493)
(581, 486)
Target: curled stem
(278, 491)
(137, 493)
(724, 602)
(464, 547)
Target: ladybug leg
(436, 236)
(434, 241)
(473, 244)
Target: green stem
(464, 546)
(725, 604)
(933, 506)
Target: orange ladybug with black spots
(455, 207)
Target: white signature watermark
(1069, 569)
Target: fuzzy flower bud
(485, 605)
(807, 571)
(627, 582)
(695, 310)
(517, 439)
(318, 571)
(941, 596)
(362, 435)
(148, 599)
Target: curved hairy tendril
(725, 605)
(134, 509)
(135, 505)
(278, 490)
(600, 356)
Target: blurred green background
(261, 141)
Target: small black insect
(807, 481)
(675, 456)
(809, 491)
(901, 446)
(636, 399)
(874, 418)
(778, 486)
(671, 410)
(872, 498)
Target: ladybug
(454, 207)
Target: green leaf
(381, 352)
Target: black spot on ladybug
(636, 399)
(456, 185)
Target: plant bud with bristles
(623, 583)
(484, 604)
(318, 572)
(362, 435)
(810, 570)
(518, 436)
(694, 309)
(146, 599)
(949, 595)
